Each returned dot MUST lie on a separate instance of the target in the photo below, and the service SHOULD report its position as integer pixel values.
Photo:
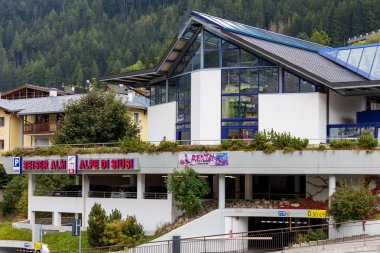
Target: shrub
(367, 141)
(133, 144)
(13, 192)
(171, 146)
(312, 235)
(96, 225)
(342, 144)
(114, 215)
(188, 188)
(348, 203)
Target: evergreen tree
(96, 225)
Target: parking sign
(17, 165)
(72, 164)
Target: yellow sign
(37, 246)
(317, 214)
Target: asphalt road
(15, 250)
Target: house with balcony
(32, 121)
(221, 80)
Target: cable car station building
(225, 80)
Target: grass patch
(64, 241)
(7, 232)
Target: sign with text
(212, 159)
(72, 164)
(17, 165)
(316, 214)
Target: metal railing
(296, 238)
(155, 195)
(39, 128)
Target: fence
(283, 239)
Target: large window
(192, 58)
(158, 93)
(294, 84)
(181, 92)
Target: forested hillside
(50, 42)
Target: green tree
(137, 66)
(114, 215)
(348, 203)
(320, 37)
(96, 117)
(96, 225)
(188, 188)
(13, 192)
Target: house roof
(45, 105)
(23, 91)
(304, 58)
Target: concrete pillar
(297, 185)
(140, 186)
(215, 186)
(237, 187)
(170, 176)
(56, 219)
(31, 189)
(85, 190)
(248, 186)
(77, 179)
(222, 191)
(332, 185)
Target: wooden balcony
(39, 128)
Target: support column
(85, 190)
(248, 186)
(31, 189)
(332, 185)
(170, 176)
(297, 186)
(237, 187)
(56, 219)
(140, 186)
(215, 186)
(222, 191)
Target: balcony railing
(39, 128)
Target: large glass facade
(294, 84)
(158, 93)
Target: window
(294, 84)
(158, 93)
(211, 46)
(42, 118)
(2, 121)
(1, 145)
(136, 119)
(191, 60)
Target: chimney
(121, 85)
(53, 92)
(130, 95)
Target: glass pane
(263, 62)
(227, 45)
(355, 57)
(210, 41)
(187, 62)
(291, 83)
(232, 134)
(173, 89)
(343, 55)
(305, 86)
(230, 58)
(249, 123)
(234, 123)
(333, 53)
(181, 111)
(187, 111)
(367, 59)
(248, 59)
(197, 61)
(211, 59)
(375, 72)
(230, 106)
(249, 107)
(249, 81)
(152, 95)
(268, 80)
(230, 81)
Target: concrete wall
(301, 114)
(161, 121)
(141, 208)
(206, 106)
(342, 110)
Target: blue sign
(26, 245)
(75, 229)
(281, 213)
(17, 165)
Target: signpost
(316, 214)
(76, 232)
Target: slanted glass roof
(363, 59)
(259, 33)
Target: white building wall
(301, 114)
(161, 122)
(342, 110)
(206, 106)
(141, 208)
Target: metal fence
(291, 238)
